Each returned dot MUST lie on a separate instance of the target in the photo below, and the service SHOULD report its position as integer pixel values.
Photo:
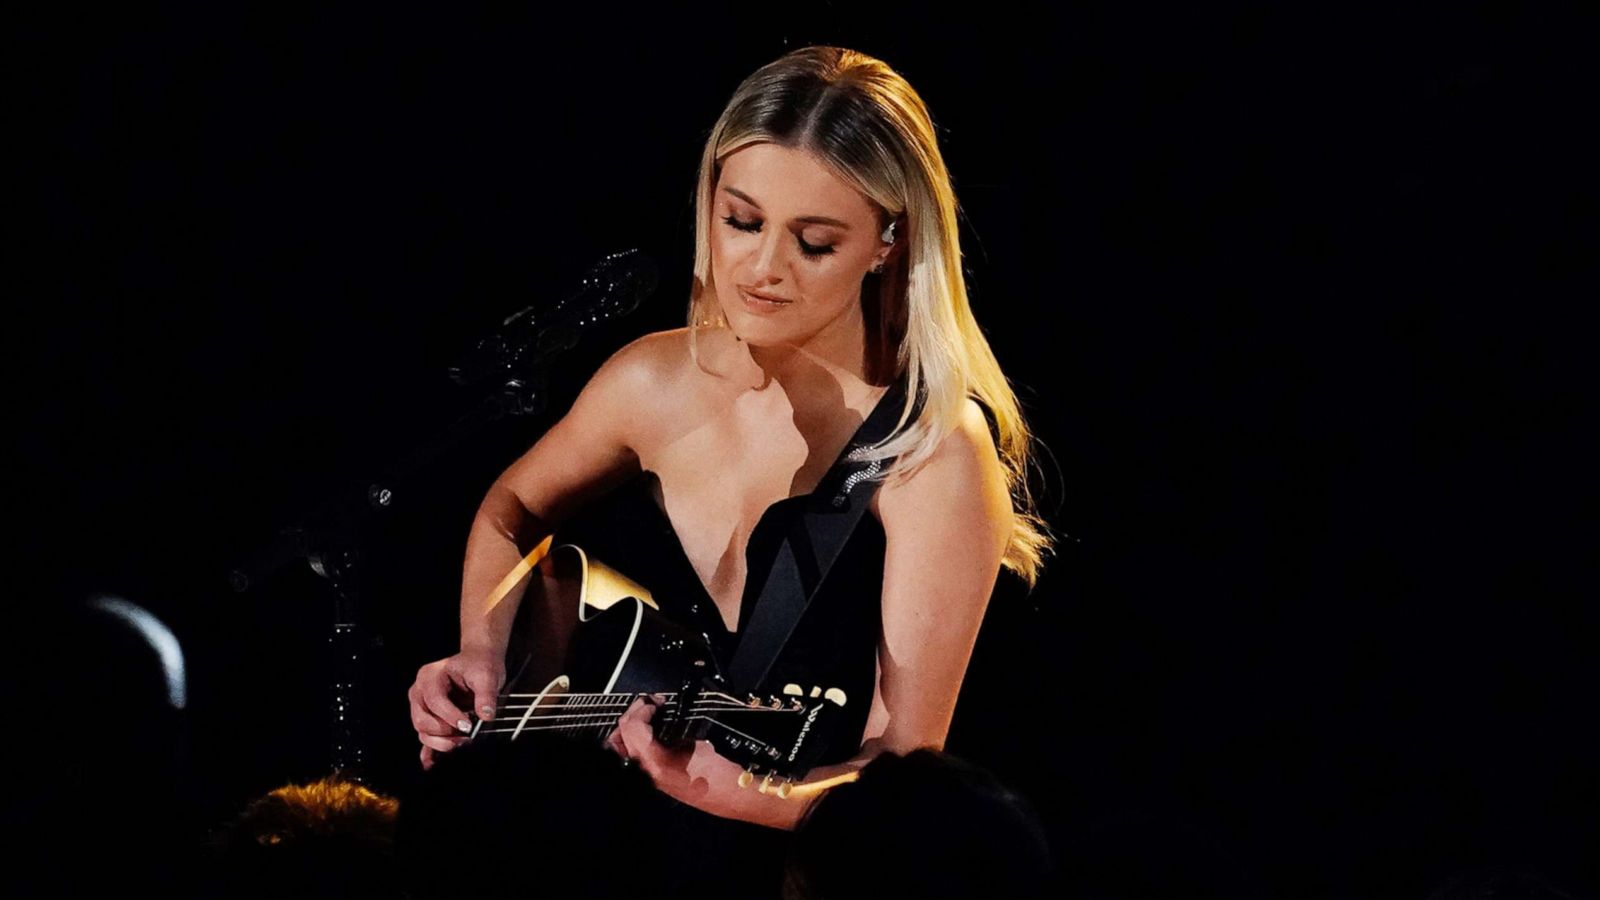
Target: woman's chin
(757, 331)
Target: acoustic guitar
(587, 640)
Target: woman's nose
(769, 259)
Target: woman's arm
(584, 453)
(709, 781)
(586, 450)
(946, 530)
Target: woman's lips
(756, 303)
(765, 297)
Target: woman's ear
(886, 256)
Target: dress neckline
(751, 589)
(714, 613)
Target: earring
(888, 238)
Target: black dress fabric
(571, 813)
(834, 645)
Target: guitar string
(602, 712)
(590, 712)
(711, 704)
(600, 694)
(702, 704)
(573, 726)
(619, 695)
(597, 706)
(576, 717)
(606, 717)
(628, 697)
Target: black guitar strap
(811, 545)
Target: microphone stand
(512, 366)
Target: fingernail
(485, 710)
(464, 725)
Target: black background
(1289, 297)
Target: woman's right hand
(441, 725)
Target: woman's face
(786, 227)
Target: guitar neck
(683, 717)
(517, 714)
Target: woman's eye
(753, 227)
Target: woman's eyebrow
(811, 220)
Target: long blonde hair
(867, 124)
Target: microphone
(613, 287)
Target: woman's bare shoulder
(667, 353)
(677, 385)
(660, 356)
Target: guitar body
(582, 619)
(587, 640)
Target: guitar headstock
(776, 738)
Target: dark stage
(1290, 298)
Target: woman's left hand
(683, 773)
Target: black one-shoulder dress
(575, 817)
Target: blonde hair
(866, 123)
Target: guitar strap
(812, 544)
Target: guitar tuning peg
(745, 778)
(793, 690)
(784, 789)
(754, 701)
(836, 695)
(775, 704)
(816, 691)
(766, 781)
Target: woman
(827, 270)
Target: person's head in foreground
(926, 824)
